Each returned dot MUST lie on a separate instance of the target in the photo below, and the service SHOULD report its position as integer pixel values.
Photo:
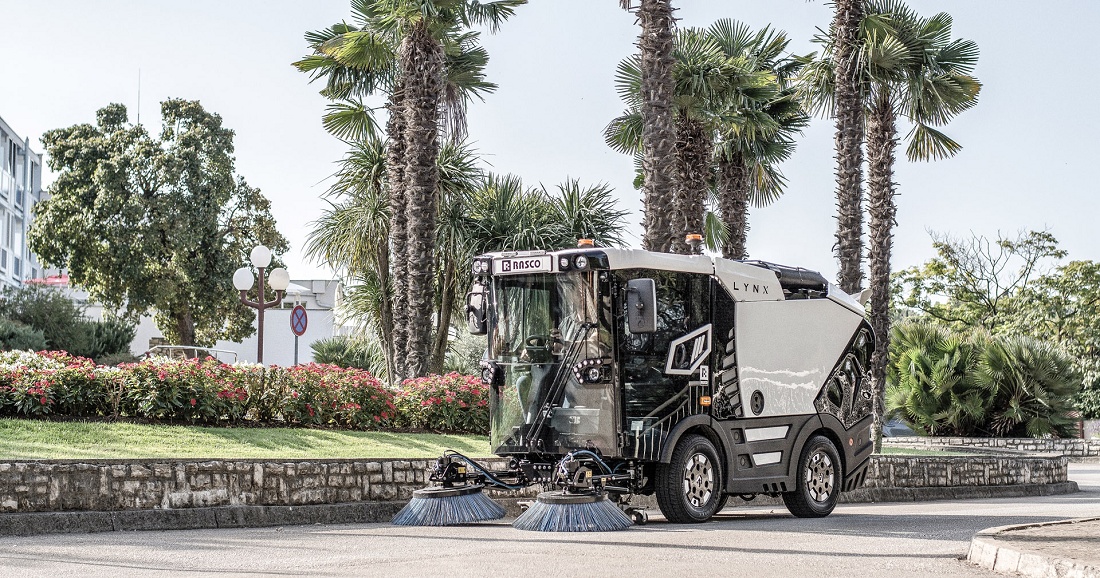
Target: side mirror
(641, 306)
(475, 313)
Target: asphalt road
(893, 539)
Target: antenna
(139, 98)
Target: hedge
(50, 383)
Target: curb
(986, 552)
(37, 523)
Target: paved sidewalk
(1069, 548)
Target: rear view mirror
(641, 306)
(475, 312)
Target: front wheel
(689, 488)
(816, 488)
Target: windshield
(545, 327)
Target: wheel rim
(698, 480)
(820, 477)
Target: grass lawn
(36, 439)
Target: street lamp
(243, 281)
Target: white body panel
(639, 259)
(747, 282)
(767, 332)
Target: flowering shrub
(451, 402)
(52, 382)
(208, 391)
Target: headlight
(563, 263)
(479, 267)
(581, 262)
(593, 374)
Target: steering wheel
(537, 341)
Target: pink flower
(193, 402)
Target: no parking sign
(298, 320)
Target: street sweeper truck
(617, 372)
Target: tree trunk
(395, 177)
(692, 161)
(733, 204)
(382, 266)
(658, 125)
(881, 143)
(422, 66)
(849, 138)
(446, 311)
(185, 327)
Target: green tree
(656, 121)
(1063, 307)
(973, 282)
(154, 224)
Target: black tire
(817, 485)
(689, 489)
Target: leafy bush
(973, 384)
(1031, 384)
(16, 335)
(61, 323)
(111, 338)
(451, 402)
(351, 351)
(48, 310)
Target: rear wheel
(817, 487)
(689, 488)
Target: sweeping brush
(440, 506)
(564, 512)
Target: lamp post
(243, 281)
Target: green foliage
(46, 309)
(350, 351)
(975, 384)
(1031, 385)
(973, 282)
(1008, 287)
(503, 215)
(464, 352)
(20, 336)
(154, 224)
(60, 322)
(451, 402)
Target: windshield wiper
(568, 360)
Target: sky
(1028, 162)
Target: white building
(20, 191)
(318, 296)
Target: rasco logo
(524, 265)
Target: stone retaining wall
(1077, 448)
(100, 485)
(964, 471)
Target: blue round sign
(298, 320)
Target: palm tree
(849, 139)
(401, 46)
(731, 111)
(908, 66)
(657, 127)
(757, 129)
(931, 86)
